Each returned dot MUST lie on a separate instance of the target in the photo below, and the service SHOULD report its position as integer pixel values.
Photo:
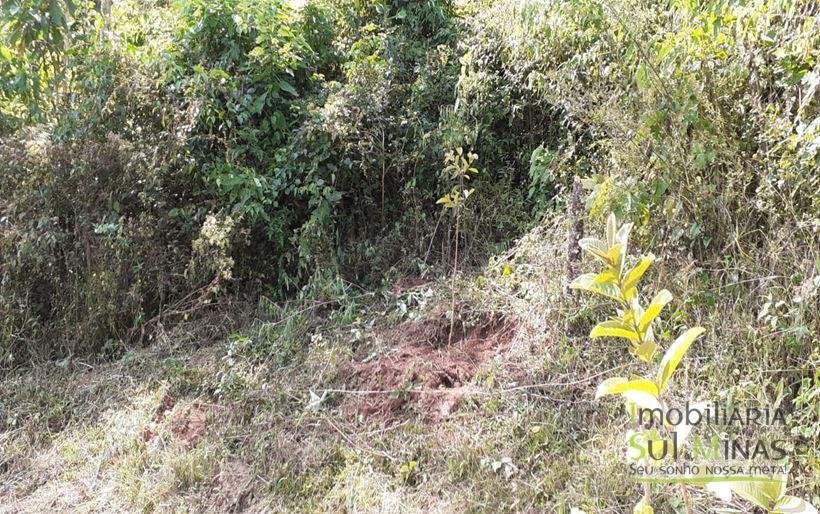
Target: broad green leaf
(675, 353)
(658, 302)
(632, 276)
(622, 236)
(611, 230)
(793, 505)
(641, 77)
(288, 88)
(620, 385)
(615, 257)
(643, 508)
(646, 350)
(586, 282)
(596, 248)
(608, 276)
(614, 328)
(764, 494)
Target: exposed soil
(404, 284)
(422, 372)
(165, 405)
(189, 424)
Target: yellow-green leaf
(614, 328)
(608, 276)
(620, 385)
(613, 256)
(642, 399)
(646, 350)
(622, 236)
(793, 505)
(586, 282)
(643, 508)
(632, 276)
(675, 353)
(611, 229)
(764, 493)
(596, 248)
(658, 302)
(583, 282)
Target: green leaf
(608, 276)
(646, 350)
(793, 505)
(614, 328)
(611, 229)
(675, 353)
(259, 103)
(658, 303)
(632, 276)
(596, 248)
(765, 494)
(586, 282)
(641, 77)
(642, 508)
(620, 385)
(288, 87)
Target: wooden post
(576, 230)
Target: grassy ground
(356, 403)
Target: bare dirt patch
(422, 370)
(190, 423)
(165, 405)
(404, 284)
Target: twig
(355, 445)
(476, 392)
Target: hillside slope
(358, 404)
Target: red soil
(421, 370)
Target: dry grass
(227, 426)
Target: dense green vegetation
(284, 141)
(262, 176)
(152, 152)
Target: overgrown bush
(315, 132)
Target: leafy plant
(459, 167)
(633, 322)
(771, 496)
